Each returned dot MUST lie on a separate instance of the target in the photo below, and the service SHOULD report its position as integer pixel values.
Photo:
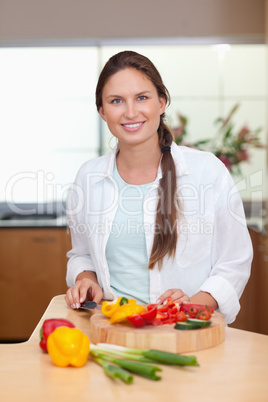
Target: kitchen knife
(90, 305)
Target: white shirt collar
(176, 151)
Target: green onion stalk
(114, 371)
(147, 355)
(138, 361)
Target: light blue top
(126, 248)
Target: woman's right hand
(85, 288)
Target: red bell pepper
(48, 327)
(168, 314)
(147, 318)
(170, 304)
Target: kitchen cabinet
(253, 315)
(32, 271)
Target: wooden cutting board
(163, 337)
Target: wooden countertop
(234, 371)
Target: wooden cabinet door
(246, 318)
(32, 271)
(253, 315)
(262, 290)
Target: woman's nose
(131, 110)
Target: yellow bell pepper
(118, 313)
(68, 347)
(125, 311)
(108, 308)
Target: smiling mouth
(133, 125)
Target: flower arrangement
(230, 146)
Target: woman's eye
(116, 101)
(142, 98)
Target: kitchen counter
(53, 215)
(59, 221)
(234, 371)
(32, 215)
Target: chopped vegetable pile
(126, 310)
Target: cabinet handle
(43, 239)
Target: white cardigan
(214, 250)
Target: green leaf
(201, 142)
(228, 132)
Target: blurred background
(212, 56)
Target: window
(49, 124)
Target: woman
(152, 220)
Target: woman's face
(132, 107)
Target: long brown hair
(165, 237)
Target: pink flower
(242, 155)
(226, 161)
(243, 132)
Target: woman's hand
(176, 295)
(85, 288)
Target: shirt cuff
(75, 267)
(224, 294)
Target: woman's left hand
(176, 295)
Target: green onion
(129, 356)
(114, 371)
(157, 356)
(170, 358)
(142, 369)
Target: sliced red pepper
(173, 310)
(161, 315)
(49, 326)
(166, 314)
(194, 309)
(136, 320)
(140, 320)
(157, 321)
(170, 314)
(167, 305)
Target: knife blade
(90, 305)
